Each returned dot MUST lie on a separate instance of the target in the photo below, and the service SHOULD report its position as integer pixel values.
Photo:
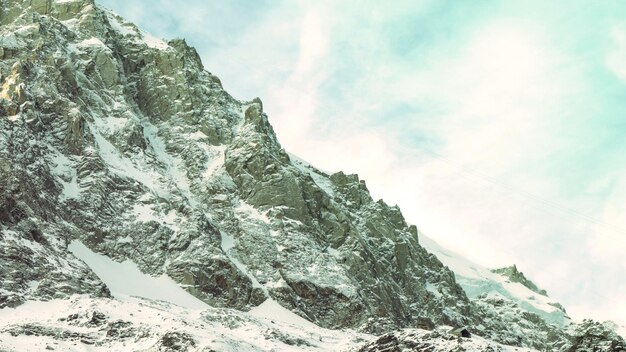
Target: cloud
(608, 240)
(294, 109)
(616, 58)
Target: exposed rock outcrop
(515, 275)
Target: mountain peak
(515, 275)
(121, 141)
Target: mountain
(118, 148)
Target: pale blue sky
(497, 126)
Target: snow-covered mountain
(144, 208)
(478, 281)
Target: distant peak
(513, 274)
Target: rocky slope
(122, 141)
(515, 275)
(133, 324)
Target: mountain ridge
(124, 142)
(515, 275)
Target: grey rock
(138, 152)
(515, 275)
(594, 336)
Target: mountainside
(121, 142)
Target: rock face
(126, 143)
(142, 155)
(514, 275)
(504, 321)
(594, 336)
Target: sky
(497, 126)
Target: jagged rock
(175, 341)
(503, 321)
(126, 143)
(514, 275)
(594, 336)
(413, 340)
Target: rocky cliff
(124, 142)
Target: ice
(27, 30)
(11, 41)
(125, 279)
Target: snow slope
(125, 279)
(477, 280)
(146, 307)
(136, 324)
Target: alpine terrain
(143, 208)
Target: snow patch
(93, 41)
(153, 42)
(119, 26)
(113, 124)
(125, 240)
(317, 175)
(144, 213)
(216, 157)
(174, 173)
(123, 167)
(228, 243)
(270, 309)
(125, 279)
(433, 289)
(33, 286)
(621, 329)
(335, 253)
(64, 171)
(250, 213)
(197, 136)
